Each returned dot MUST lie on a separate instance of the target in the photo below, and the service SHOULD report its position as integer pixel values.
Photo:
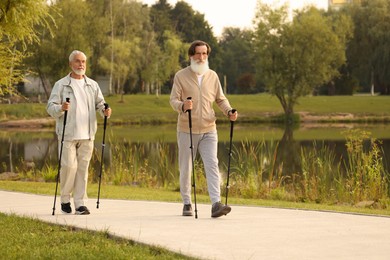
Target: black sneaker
(66, 208)
(82, 210)
(218, 209)
(187, 210)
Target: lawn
(150, 109)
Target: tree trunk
(43, 81)
(372, 84)
(112, 51)
(289, 114)
(288, 108)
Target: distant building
(33, 86)
(336, 4)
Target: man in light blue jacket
(85, 98)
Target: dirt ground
(307, 120)
(28, 123)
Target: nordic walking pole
(101, 161)
(59, 160)
(230, 156)
(192, 159)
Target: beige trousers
(75, 159)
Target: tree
(130, 21)
(17, 21)
(160, 17)
(296, 57)
(238, 61)
(174, 48)
(124, 51)
(50, 57)
(368, 52)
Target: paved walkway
(246, 233)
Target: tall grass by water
(256, 172)
(359, 177)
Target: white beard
(79, 72)
(199, 68)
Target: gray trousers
(207, 145)
(75, 159)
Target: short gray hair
(76, 52)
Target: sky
(236, 13)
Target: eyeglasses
(200, 54)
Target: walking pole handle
(106, 106)
(189, 114)
(66, 111)
(234, 110)
(231, 124)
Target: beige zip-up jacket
(62, 89)
(185, 84)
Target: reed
(256, 171)
(366, 178)
(324, 178)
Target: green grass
(27, 238)
(149, 194)
(149, 109)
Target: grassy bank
(26, 238)
(42, 240)
(142, 109)
(139, 193)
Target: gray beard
(199, 69)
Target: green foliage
(366, 177)
(368, 58)
(17, 21)
(238, 64)
(319, 168)
(295, 57)
(70, 34)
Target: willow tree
(17, 21)
(296, 56)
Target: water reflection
(27, 150)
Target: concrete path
(246, 233)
